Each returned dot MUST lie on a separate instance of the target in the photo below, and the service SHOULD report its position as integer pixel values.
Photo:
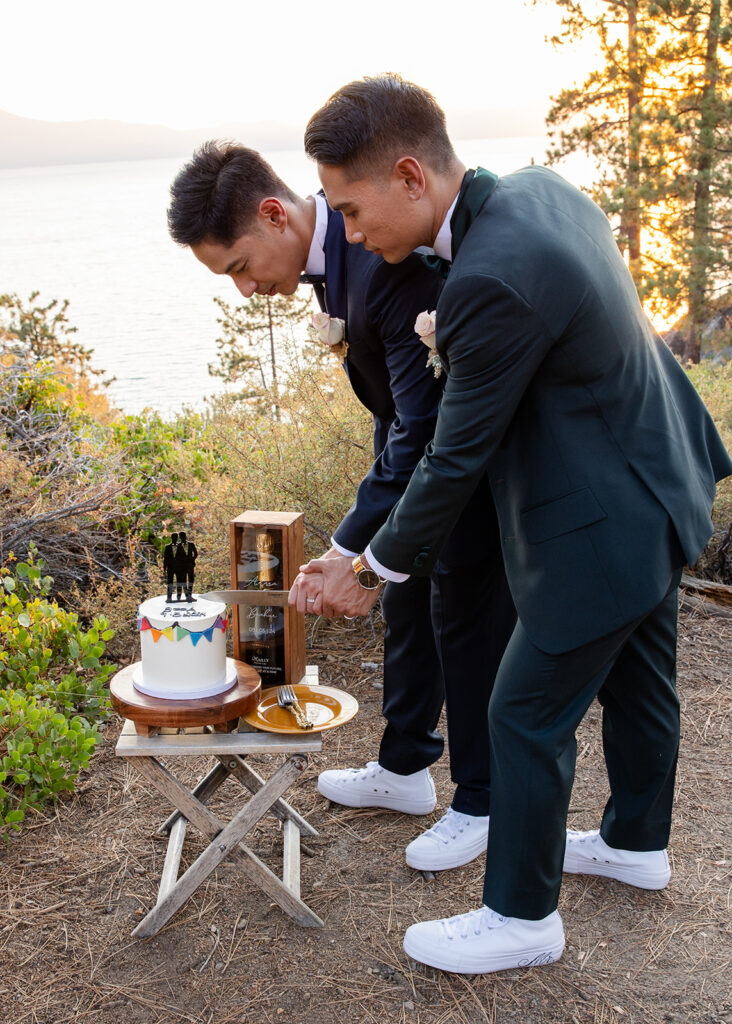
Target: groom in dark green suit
(602, 462)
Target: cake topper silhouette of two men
(179, 561)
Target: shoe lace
(448, 826)
(582, 837)
(474, 921)
(372, 769)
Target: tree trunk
(630, 217)
(699, 256)
(270, 324)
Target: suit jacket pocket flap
(562, 515)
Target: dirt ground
(75, 885)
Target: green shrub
(52, 691)
(43, 751)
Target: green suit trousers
(538, 701)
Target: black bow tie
(437, 263)
(312, 279)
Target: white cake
(183, 649)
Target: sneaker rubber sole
(465, 963)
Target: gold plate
(325, 706)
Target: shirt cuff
(339, 547)
(388, 574)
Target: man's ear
(411, 176)
(273, 212)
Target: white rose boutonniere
(330, 331)
(426, 326)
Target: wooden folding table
(149, 752)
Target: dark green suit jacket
(601, 456)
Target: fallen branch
(704, 606)
(721, 593)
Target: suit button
(421, 558)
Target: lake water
(95, 234)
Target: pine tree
(605, 115)
(256, 337)
(654, 115)
(37, 333)
(703, 245)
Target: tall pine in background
(654, 115)
(703, 243)
(257, 337)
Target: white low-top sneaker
(587, 853)
(454, 840)
(483, 941)
(374, 786)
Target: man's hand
(306, 592)
(336, 589)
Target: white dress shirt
(315, 265)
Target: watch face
(368, 579)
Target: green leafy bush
(52, 691)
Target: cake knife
(271, 598)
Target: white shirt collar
(315, 265)
(443, 242)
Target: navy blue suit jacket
(386, 366)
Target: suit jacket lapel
(336, 301)
(476, 187)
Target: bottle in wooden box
(266, 553)
(261, 627)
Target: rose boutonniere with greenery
(426, 326)
(330, 331)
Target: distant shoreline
(28, 143)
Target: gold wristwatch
(367, 578)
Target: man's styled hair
(215, 196)
(368, 124)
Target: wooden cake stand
(151, 714)
(216, 720)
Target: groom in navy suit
(602, 462)
(240, 219)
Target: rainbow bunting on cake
(178, 632)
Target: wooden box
(267, 550)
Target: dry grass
(75, 884)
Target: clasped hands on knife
(328, 586)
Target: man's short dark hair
(368, 124)
(215, 196)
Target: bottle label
(261, 627)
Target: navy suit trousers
(472, 620)
(413, 688)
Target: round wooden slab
(217, 710)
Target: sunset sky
(187, 64)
